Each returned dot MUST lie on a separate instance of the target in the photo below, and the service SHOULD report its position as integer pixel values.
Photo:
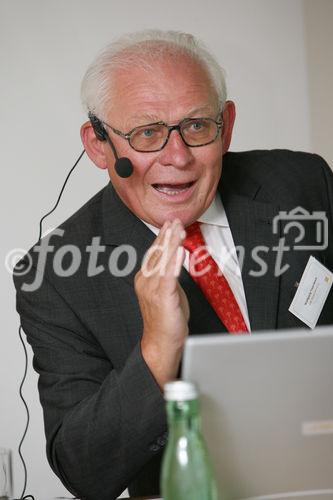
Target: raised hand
(163, 303)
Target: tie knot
(194, 238)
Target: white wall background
(277, 54)
(318, 17)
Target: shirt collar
(214, 215)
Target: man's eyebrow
(141, 119)
(144, 118)
(208, 108)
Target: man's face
(178, 181)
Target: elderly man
(105, 341)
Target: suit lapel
(122, 227)
(250, 222)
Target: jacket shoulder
(78, 229)
(278, 173)
(81, 225)
(274, 159)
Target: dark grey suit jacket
(104, 413)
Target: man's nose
(175, 152)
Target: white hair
(143, 49)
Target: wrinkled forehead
(175, 82)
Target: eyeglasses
(195, 132)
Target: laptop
(267, 411)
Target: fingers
(176, 251)
(180, 257)
(163, 303)
(153, 254)
(166, 256)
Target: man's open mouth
(172, 189)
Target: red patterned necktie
(212, 282)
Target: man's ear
(94, 147)
(228, 115)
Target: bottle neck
(183, 416)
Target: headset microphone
(123, 166)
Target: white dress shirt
(220, 244)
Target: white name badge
(312, 292)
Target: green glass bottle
(186, 472)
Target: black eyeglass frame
(170, 128)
